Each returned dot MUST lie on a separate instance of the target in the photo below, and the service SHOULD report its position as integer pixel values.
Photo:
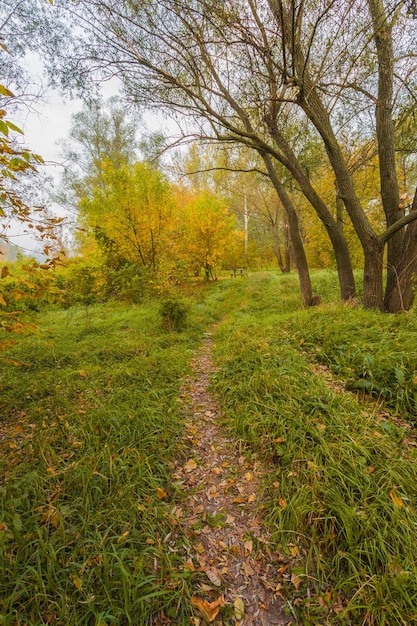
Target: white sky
(45, 124)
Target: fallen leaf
(82, 374)
(279, 440)
(214, 576)
(230, 519)
(76, 581)
(294, 550)
(247, 570)
(248, 476)
(282, 503)
(190, 466)
(398, 502)
(248, 545)
(161, 494)
(296, 581)
(251, 498)
(209, 610)
(212, 492)
(239, 608)
(123, 537)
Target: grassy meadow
(91, 424)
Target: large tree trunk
(400, 296)
(372, 277)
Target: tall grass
(341, 499)
(92, 424)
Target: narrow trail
(237, 577)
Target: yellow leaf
(190, 466)
(239, 607)
(296, 581)
(208, 610)
(252, 498)
(279, 440)
(82, 374)
(294, 550)
(248, 476)
(76, 581)
(123, 537)
(398, 502)
(161, 494)
(282, 503)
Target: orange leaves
(208, 610)
(397, 500)
(161, 494)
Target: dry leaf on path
(209, 610)
(190, 466)
(214, 576)
(296, 581)
(239, 607)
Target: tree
(15, 162)
(100, 132)
(131, 213)
(247, 73)
(208, 232)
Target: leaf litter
(237, 578)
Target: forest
(208, 369)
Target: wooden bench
(237, 272)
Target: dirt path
(237, 578)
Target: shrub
(174, 314)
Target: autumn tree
(208, 233)
(131, 213)
(245, 73)
(236, 174)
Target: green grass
(341, 499)
(91, 424)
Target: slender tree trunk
(297, 242)
(396, 255)
(335, 233)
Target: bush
(174, 314)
